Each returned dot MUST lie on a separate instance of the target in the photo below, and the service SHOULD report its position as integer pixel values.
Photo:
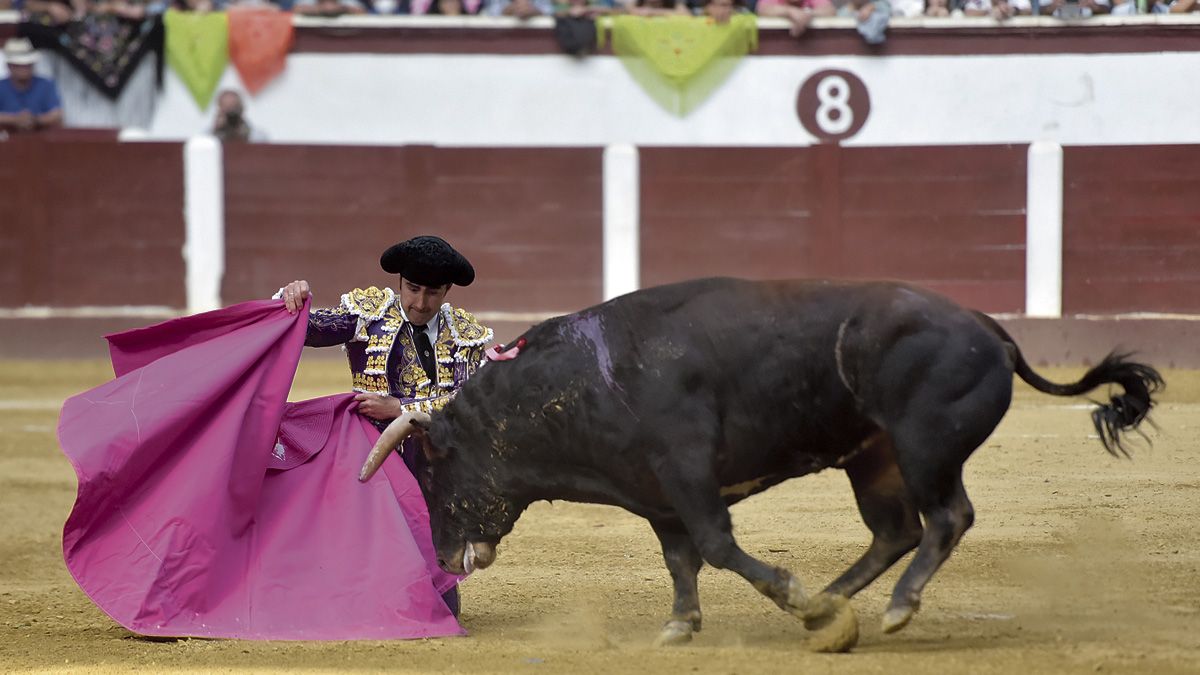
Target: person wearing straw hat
(27, 102)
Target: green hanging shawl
(198, 49)
(680, 60)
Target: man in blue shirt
(27, 102)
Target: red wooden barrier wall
(529, 219)
(90, 222)
(944, 217)
(1131, 229)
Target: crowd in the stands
(798, 11)
(29, 102)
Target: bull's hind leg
(949, 391)
(684, 563)
(948, 515)
(888, 511)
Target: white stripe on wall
(204, 223)
(621, 220)
(1043, 230)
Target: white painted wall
(556, 100)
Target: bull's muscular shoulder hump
(368, 303)
(465, 328)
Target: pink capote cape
(209, 506)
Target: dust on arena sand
(1078, 562)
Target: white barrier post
(621, 214)
(1044, 230)
(132, 135)
(204, 221)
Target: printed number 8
(834, 114)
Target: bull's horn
(392, 436)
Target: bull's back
(796, 373)
(763, 367)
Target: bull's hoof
(820, 610)
(674, 633)
(797, 599)
(896, 618)
(833, 623)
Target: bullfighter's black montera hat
(428, 261)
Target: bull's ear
(432, 452)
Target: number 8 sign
(833, 104)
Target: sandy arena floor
(1078, 562)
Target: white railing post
(204, 223)
(621, 220)
(1044, 230)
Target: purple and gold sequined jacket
(383, 359)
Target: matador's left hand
(378, 406)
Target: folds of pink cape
(209, 506)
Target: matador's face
(421, 303)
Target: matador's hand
(294, 295)
(378, 406)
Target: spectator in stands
(522, 9)
(720, 11)
(660, 8)
(976, 7)
(1003, 9)
(1182, 6)
(121, 8)
(230, 124)
(222, 5)
(937, 8)
(908, 8)
(872, 18)
(1129, 7)
(997, 9)
(798, 12)
(329, 8)
(446, 7)
(583, 8)
(1063, 9)
(55, 12)
(27, 102)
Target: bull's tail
(1123, 412)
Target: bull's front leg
(684, 563)
(694, 492)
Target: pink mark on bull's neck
(589, 327)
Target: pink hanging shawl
(209, 506)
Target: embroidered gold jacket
(383, 358)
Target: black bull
(675, 402)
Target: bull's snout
(471, 557)
(485, 554)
